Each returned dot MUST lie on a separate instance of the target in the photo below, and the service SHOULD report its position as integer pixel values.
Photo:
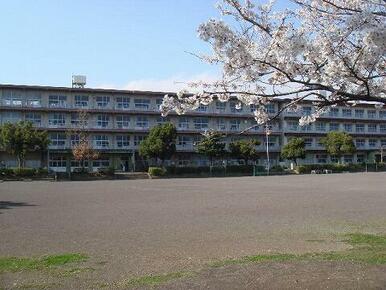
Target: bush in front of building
(219, 170)
(156, 171)
(23, 172)
(335, 168)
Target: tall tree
(244, 149)
(21, 138)
(81, 145)
(338, 143)
(330, 51)
(294, 150)
(211, 145)
(160, 143)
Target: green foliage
(244, 149)
(211, 145)
(23, 172)
(277, 168)
(204, 170)
(156, 171)
(336, 168)
(338, 144)
(160, 143)
(20, 138)
(294, 149)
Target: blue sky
(134, 44)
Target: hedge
(23, 172)
(156, 171)
(307, 168)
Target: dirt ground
(140, 227)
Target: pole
(267, 132)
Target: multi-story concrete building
(120, 119)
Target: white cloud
(170, 84)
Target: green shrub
(106, 170)
(156, 171)
(277, 168)
(24, 172)
(6, 172)
(41, 171)
(336, 168)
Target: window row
(333, 126)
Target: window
(220, 107)
(123, 121)
(142, 104)
(57, 120)
(292, 125)
(11, 117)
(360, 128)
(236, 107)
(321, 158)
(383, 142)
(184, 141)
(12, 98)
(80, 120)
(371, 114)
(270, 108)
(142, 122)
(138, 139)
(234, 125)
(308, 142)
(34, 118)
(360, 143)
(201, 123)
(75, 140)
(101, 141)
(123, 103)
(360, 158)
(103, 121)
(254, 126)
(334, 112)
(382, 128)
(102, 101)
(306, 128)
(162, 120)
(372, 128)
(123, 141)
(101, 163)
(373, 143)
(271, 141)
(347, 127)
(320, 126)
(58, 140)
(347, 158)
(202, 108)
(334, 126)
(359, 113)
(221, 125)
(346, 112)
(57, 101)
(334, 159)
(382, 114)
(34, 101)
(76, 163)
(58, 161)
(306, 111)
(183, 123)
(81, 101)
(158, 103)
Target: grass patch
(153, 280)
(15, 264)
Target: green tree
(21, 138)
(211, 145)
(244, 149)
(294, 150)
(338, 144)
(160, 143)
